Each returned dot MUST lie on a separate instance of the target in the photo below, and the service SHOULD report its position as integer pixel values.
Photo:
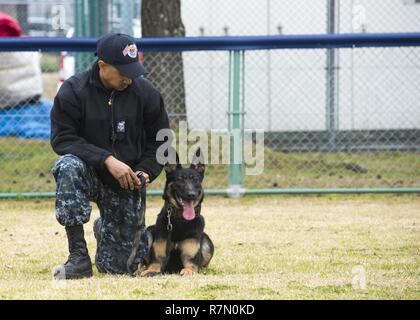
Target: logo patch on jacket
(131, 50)
(121, 127)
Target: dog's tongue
(188, 212)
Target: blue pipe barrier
(323, 41)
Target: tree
(162, 18)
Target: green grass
(50, 62)
(26, 164)
(272, 247)
(330, 170)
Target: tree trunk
(162, 18)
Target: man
(104, 124)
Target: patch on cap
(131, 50)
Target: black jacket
(92, 122)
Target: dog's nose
(191, 195)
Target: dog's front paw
(151, 271)
(188, 271)
(148, 273)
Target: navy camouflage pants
(77, 186)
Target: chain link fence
(375, 115)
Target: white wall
(285, 89)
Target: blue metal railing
(222, 43)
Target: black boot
(78, 264)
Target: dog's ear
(169, 168)
(171, 165)
(198, 162)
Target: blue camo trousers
(77, 186)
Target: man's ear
(198, 162)
(101, 64)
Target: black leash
(132, 264)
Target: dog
(177, 242)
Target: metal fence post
(91, 21)
(79, 30)
(332, 78)
(236, 123)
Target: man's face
(112, 78)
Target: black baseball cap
(120, 51)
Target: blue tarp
(26, 121)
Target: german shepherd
(177, 242)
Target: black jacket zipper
(113, 134)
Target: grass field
(266, 248)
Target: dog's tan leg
(159, 257)
(189, 249)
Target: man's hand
(146, 176)
(123, 173)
